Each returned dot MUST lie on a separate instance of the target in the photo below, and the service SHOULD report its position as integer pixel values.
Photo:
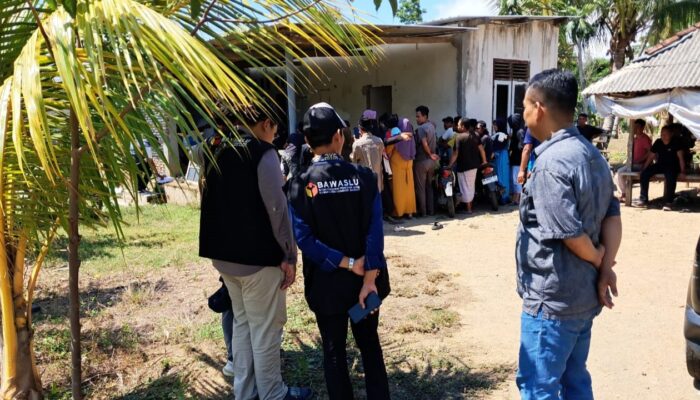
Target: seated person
(666, 157)
(686, 141)
(640, 152)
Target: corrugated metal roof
(414, 30)
(472, 20)
(673, 63)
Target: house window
(509, 84)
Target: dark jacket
(337, 212)
(234, 224)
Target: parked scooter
(445, 189)
(490, 187)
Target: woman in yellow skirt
(401, 155)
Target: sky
(436, 9)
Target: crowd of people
(338, 184)
(405, 160)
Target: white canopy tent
(665, 78)
(683, 104)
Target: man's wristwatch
(351, 262)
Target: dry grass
(148, 334)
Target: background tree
(597, 69)
(625, 20)
(82, 82)
(410, 12)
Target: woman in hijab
(401, 155)
(515, 149)
(500, 151)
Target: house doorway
(379, 99)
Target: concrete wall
(418, 74)
(535, 41)
(449, 78)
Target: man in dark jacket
(337, 212)
(246, 231)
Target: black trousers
(334, 333)
(671, 178)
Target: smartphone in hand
(372, 302)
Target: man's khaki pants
(259, 315)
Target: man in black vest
(337, 212)
(245, 230)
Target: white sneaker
(228, 369)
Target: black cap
(322, 120)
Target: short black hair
(423, 110)
(471, 123)
(368, 125)
(253, 115)
(557, 89)
(448, 120)
(640, 123)
(315, 139)
(584, 115)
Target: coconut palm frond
(669, 17)
(121, 68)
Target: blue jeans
(553, 355)
(227, 327)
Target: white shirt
(449, 133)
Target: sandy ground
(638, 349)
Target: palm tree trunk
(581, 75)
(74, 260)
(20, 379)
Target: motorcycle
(445, 189)
(490, 187)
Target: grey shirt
(569, 193)
(270, 182)
(368, 151)
(425, 131)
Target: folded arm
(583, 248)
(321, 254)
(374, 254)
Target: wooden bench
(631, 177)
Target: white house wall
(536, 41)
(419, 74)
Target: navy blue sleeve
(322, 255)
(374, 255)
(613, 208)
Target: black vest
(234, 224)
(340, 219)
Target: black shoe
(299, 393)
(641, 203)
